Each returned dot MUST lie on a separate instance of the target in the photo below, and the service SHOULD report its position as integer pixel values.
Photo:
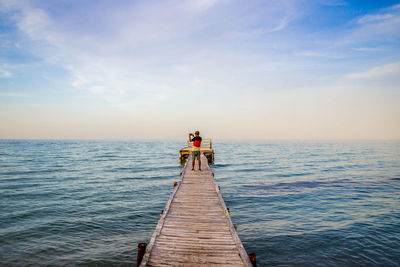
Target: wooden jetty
(195, 228)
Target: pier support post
(252, 257)
(140, 253)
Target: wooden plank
(171, 242)
(195, 259)
(196, 249)
(199, 257)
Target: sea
(295, 203)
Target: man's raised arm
(190, 137)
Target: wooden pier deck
(195, 228)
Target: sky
(234, 70)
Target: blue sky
(323, 69)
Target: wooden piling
(140, 253)
(252, 257)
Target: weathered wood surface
(195, 228)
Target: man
(196, 148)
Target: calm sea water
(294, 203)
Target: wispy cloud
(5, 72)
(13, 94)
(283, 22)
(375, 18)
(202, 5)
(369, 49)
(377, 27)
(378, 72)
(315, 54)
(133, 49)
(333, 2)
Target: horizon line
(216, 139)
